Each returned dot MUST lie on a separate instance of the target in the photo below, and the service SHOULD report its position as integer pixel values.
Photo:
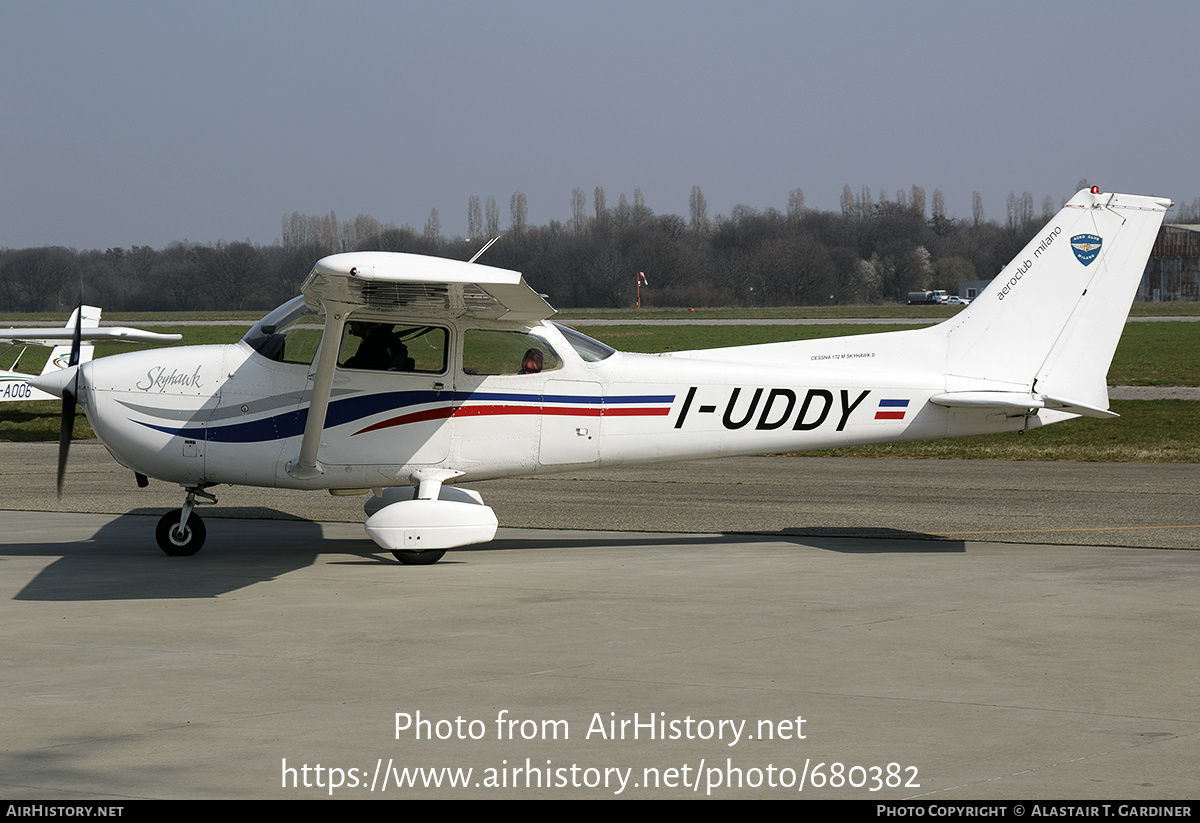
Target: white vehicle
(14, 384)
(399, 374)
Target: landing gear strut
(181, 532)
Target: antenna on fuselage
(487, 246)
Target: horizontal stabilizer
(1019, 402)
(1075, 407)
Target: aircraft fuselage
(205, 415)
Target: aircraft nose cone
(56, 382)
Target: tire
(177, 545)
(425, 558)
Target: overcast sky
(129, 123)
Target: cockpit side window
(394, 347)
(488, 352)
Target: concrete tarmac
(722, 600)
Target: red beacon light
(1095, 189)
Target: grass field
(883, 312)
(1150, 354)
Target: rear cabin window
(505, 352)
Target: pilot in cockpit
(532, 362)
(380, 350)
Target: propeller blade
(66, 426)
(77, 337)
(66, 423)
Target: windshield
(289, 334)
(592, 351)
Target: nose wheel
(181, 532)
(177, 537)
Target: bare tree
(976, 208)
(474, 218)
(624, 212)
(699, 209)
(601, 203)
(1047, 207)
(493, 217)
(918, 200)
(795, 208)
(330, 231)
(433, 228)
(359, 231)
(939, 205)
(578, 203)
(518, 210)
(864, 206)
(640, 212)
(847, 201)
(37, 279)
(1026, 210)
(233, 270)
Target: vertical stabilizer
(1050, 321)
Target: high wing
(432, 287)
(409, 284)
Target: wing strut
(306, 467)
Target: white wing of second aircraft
(14, 385)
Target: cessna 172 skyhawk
(400, 373)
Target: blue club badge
(1086, 247)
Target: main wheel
(425, 558)
(180, 542)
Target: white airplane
(400, 374)
(14, 384)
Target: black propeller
(66, 423)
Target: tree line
(877, 248)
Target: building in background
(1173, 271)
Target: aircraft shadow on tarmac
(847, 541)
(121, 562)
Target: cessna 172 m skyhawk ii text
(399, 373)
